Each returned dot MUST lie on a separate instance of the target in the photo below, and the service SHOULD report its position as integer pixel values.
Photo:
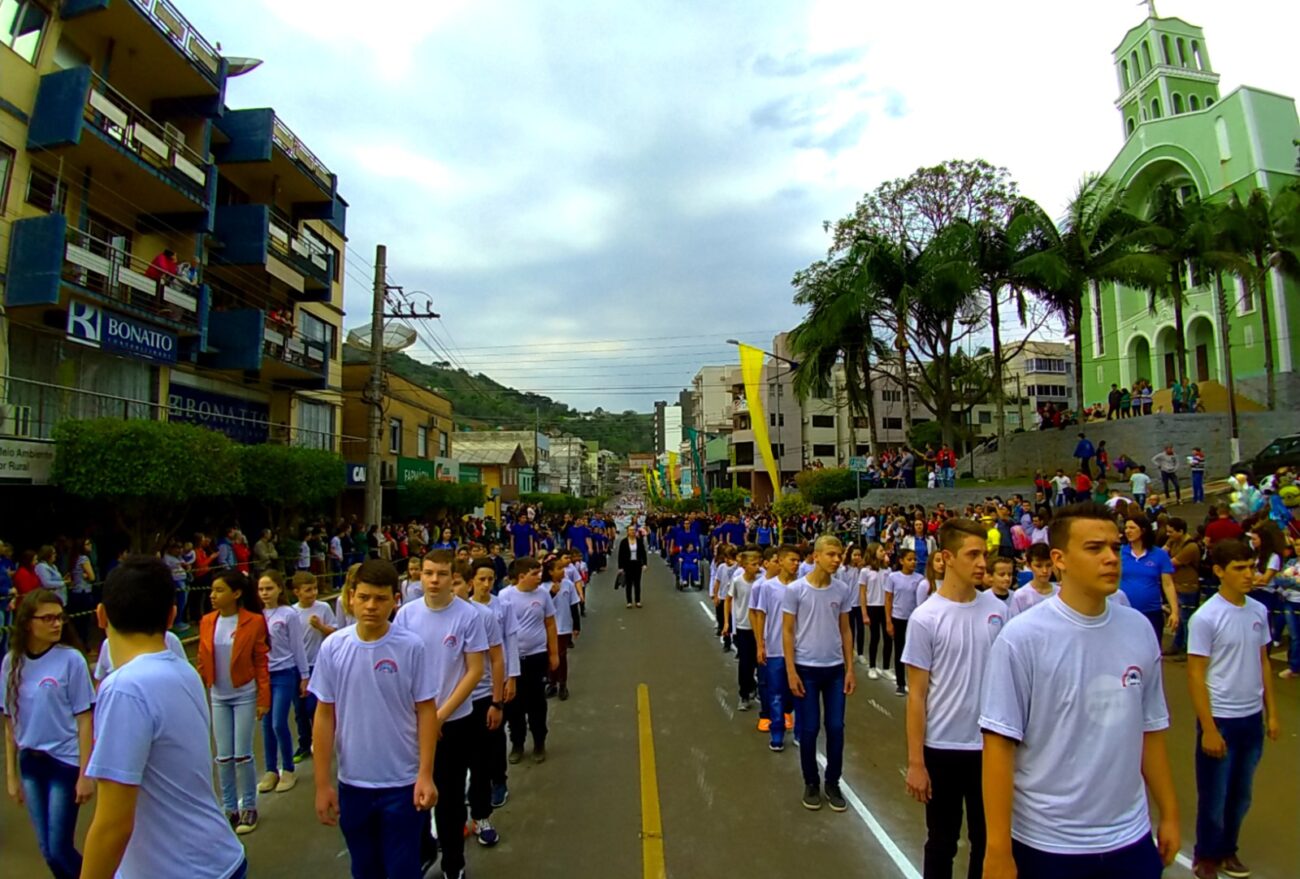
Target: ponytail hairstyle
(20, 643)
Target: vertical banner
(751, 369)
(674, 486)
(697, 468)
(649, 483)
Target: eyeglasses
(54, 619)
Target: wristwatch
(499, 706)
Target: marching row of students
(413, 697)
(1037, 716)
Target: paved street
(728, 805)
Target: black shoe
(812, 797)
(564, 693)
(516, 754)
(551, 690)
(539, 753)
(835, 798)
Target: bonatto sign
(244, 421)
(99, 328)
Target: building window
(1050, 364)
(823, 450)
(774, 420)
(22, 23)
(313, 329)
(778, 452)
(422, 442)
(1198, 57)
(442, 444)
(1131, 125)
(1098, 323)
(1146, 55)
(1155, 108)
(1193, 103)
(1164, 49)
(891, 396)
(1182, 52)
(1055, 391)
(1123, 68)
(315, 425)
(860, 422)
(891, 423)
(1245, 298)
(1178, 103)
(6, 166)
(395, 435)
(823, 421)
(985, 416)
(1209, 102)
(44, 191)
(862, 449)
(1137, 68)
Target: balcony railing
(106, 268)
(183, 34)
(296, 150)
(298, 249)
(162, 146)
(281, 342)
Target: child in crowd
(767, 610)
(850, 574)
(317, 623)
(736, 596)
(487, 779)
(233, 666)
(722, 573)
(410, 587)
(568, 621)
(343, 604)
(289, 676)
(49, 728)
(369, 677)
(998, 577)
(155, 808)
(871, 589)
(816, 636)
(1040, 588)
(901, 588)
(1232, 695)
(538, 656)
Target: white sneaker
(1287, 673)
(268, 783)
(287, 781)
(743, 705)
(872, 673)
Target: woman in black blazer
(632, 559)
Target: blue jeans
(382, 830)
(947, 477)
(232, 731)
(275, 723)
(182, 597)
(50, 788)
(1292, 610)
(1139, 860)
(823, 687)
(779, 699)
(1223, 785)
(1187, 604)
(304, 711)
(1198, 486)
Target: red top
(162, 265)
(242, 555)
(26, 580)
(1222, 529)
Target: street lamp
(793, 364)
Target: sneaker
(516, 754)
(487, 834)
(302, 755)
(287, 781)
(471, 828)
(564, 692)
(901, 691)
(551, 690)
(776, 747)
(872, 673)
(1287, 673)
(726, 648)
(1232, 866)
(638, 604)
(1202, 869)
(247, 821)
(233, 818)
(268, 783)
(629, 604)
(743, 705)
(789, 721)
(539, 754)
(812, 797)
(764, 725)
(500, 793)
(835, 799)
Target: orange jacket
(248, 658)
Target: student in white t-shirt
(487, 762)
(155, 812)
(1232, 694)
(818, 648)
(539, 654)
(1040, 588)
(1064, 782)
(289, 676)
(998, 576)
(104, 662)
(376, 708)
(46, 698)
(851, 573)
(409, 587)
(771, 568)
(949, 637)
(455, 655)
(317, 623)
(900, 600)
(871, 590)
(722, 573)
(736, 623)
(562, 579)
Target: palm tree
(895, 272)
(1097, 242)
(1266, 231)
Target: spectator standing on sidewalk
(1185, 553)
(1196, 462)
(1084, 451)
(1167, 463)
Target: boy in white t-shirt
(998, 576)
(1063, 782)
(376, 707)
(818, 647)
(538, 646)
(949, 637)
(1040, 588)
(317, 623)
(723, 571)
(736, 623)
(1232, 694)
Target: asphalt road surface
(654, 681)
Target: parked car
(1281, 452)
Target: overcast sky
(597, 195)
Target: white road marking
(883, 838)
(881, 708)
(708, 611)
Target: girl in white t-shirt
(852, 574)
(871, 594)
(343, 604)
(289, 675)
(1269, 543)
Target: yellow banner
(751, 369)
(674, 487)
(649, 484)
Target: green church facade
(1177, 129)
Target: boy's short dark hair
(480, 565)
(139, 596)
(1225, 552)
(904, 553)
(441, 556)
(751, 549)
(770, 552)
(1058, 530)
(1001, 560)
(461, 569)
(789, 549)
(954, 532)
(523, 565)
(377, 572)
(1038, 552)
(303, 578)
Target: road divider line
(886, 842)
(652, 831)
(708, 611)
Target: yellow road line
(652, 830)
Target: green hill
(480, 403)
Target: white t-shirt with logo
(817, 612)
(904, 588)
(874, 580)
(1231, 637)
(768, 596)
(564, 599)
(288, 649)
(448, 633)
(1026, 597)
(311, 636)
(52, 690)
(531, 612)
(1078, 693)
(495, 638)
(951, 640)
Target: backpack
(1019, 539)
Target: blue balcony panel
(252, 235)
(254, 146)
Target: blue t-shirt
(577, 537)
(153, 733)
(521, 534)
(7, 568)
(52, 690)
(1140, 577)
(736, 532)
(764, 535)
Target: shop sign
(97, 327)
(25, 462)
(244, 421)
(356, 473)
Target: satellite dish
(396, 337)
(236, 66)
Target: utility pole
(537, 460)
(375, 391)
